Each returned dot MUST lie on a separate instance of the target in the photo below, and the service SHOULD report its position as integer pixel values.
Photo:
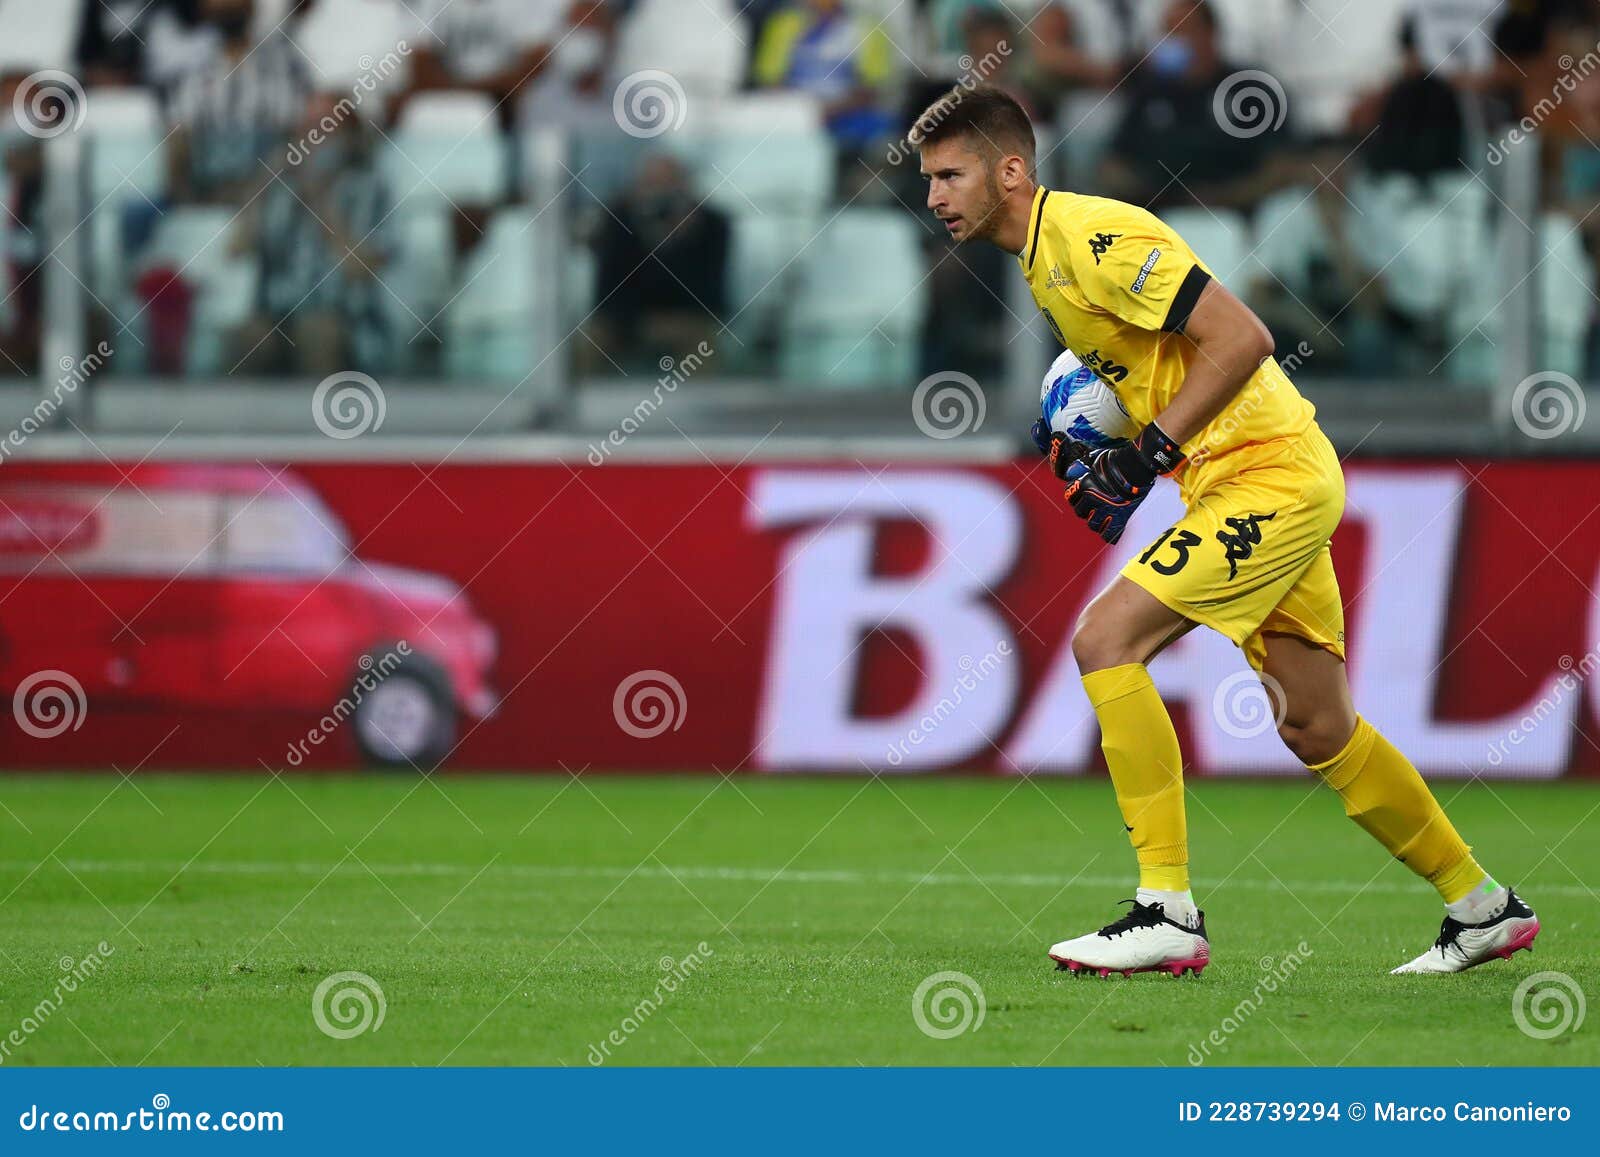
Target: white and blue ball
(1078, 404)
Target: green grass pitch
(523, 921)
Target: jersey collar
(1040, 195)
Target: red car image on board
(232, 588)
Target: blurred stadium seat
(346, 40)
(1219, 238)
(487, 334)
(448, 147)
(700, 45)
(859, 299)
(766, 249)
(35, 36)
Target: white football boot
(1463, 946)
(1144, 940)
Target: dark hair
(982, 111)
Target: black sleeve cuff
(1183, 301)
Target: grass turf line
(523, 920)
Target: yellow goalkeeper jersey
(1117, 286)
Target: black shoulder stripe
(1183, 302)
(1038, 220)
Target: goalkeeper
(1263, 490)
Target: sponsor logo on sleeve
(1144, 270)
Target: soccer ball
(1078, 404)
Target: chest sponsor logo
(1103, 365)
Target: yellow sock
(1383, 793)
(1146, 769)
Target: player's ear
(1013, 172)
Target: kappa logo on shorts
(1245, 538)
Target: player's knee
(1317, 736)
(1099, 641)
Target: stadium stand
(786, 115)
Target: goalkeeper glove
(1061, 450)
(1106, 487)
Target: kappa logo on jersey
(1241, 544)
(1099, 243)
(1144, 271)
(1057, 279)
(1105, 367)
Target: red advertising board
(772, 617)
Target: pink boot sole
(1523, 939)
(1176, 967)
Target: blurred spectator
(1523, 28)
(1354, 270)
(992, 44)
(234, 110)
(1414, 126)
(966, 328)
(1059, 56)
(1171, 149)
(1568, 117)
(495, 47)
(22, 246)
(131, 42)
(571, 90)
(663, 265)
(320, 236)
(1326, 53)
(841, 58)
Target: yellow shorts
(1250, 557)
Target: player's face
(963, 190)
